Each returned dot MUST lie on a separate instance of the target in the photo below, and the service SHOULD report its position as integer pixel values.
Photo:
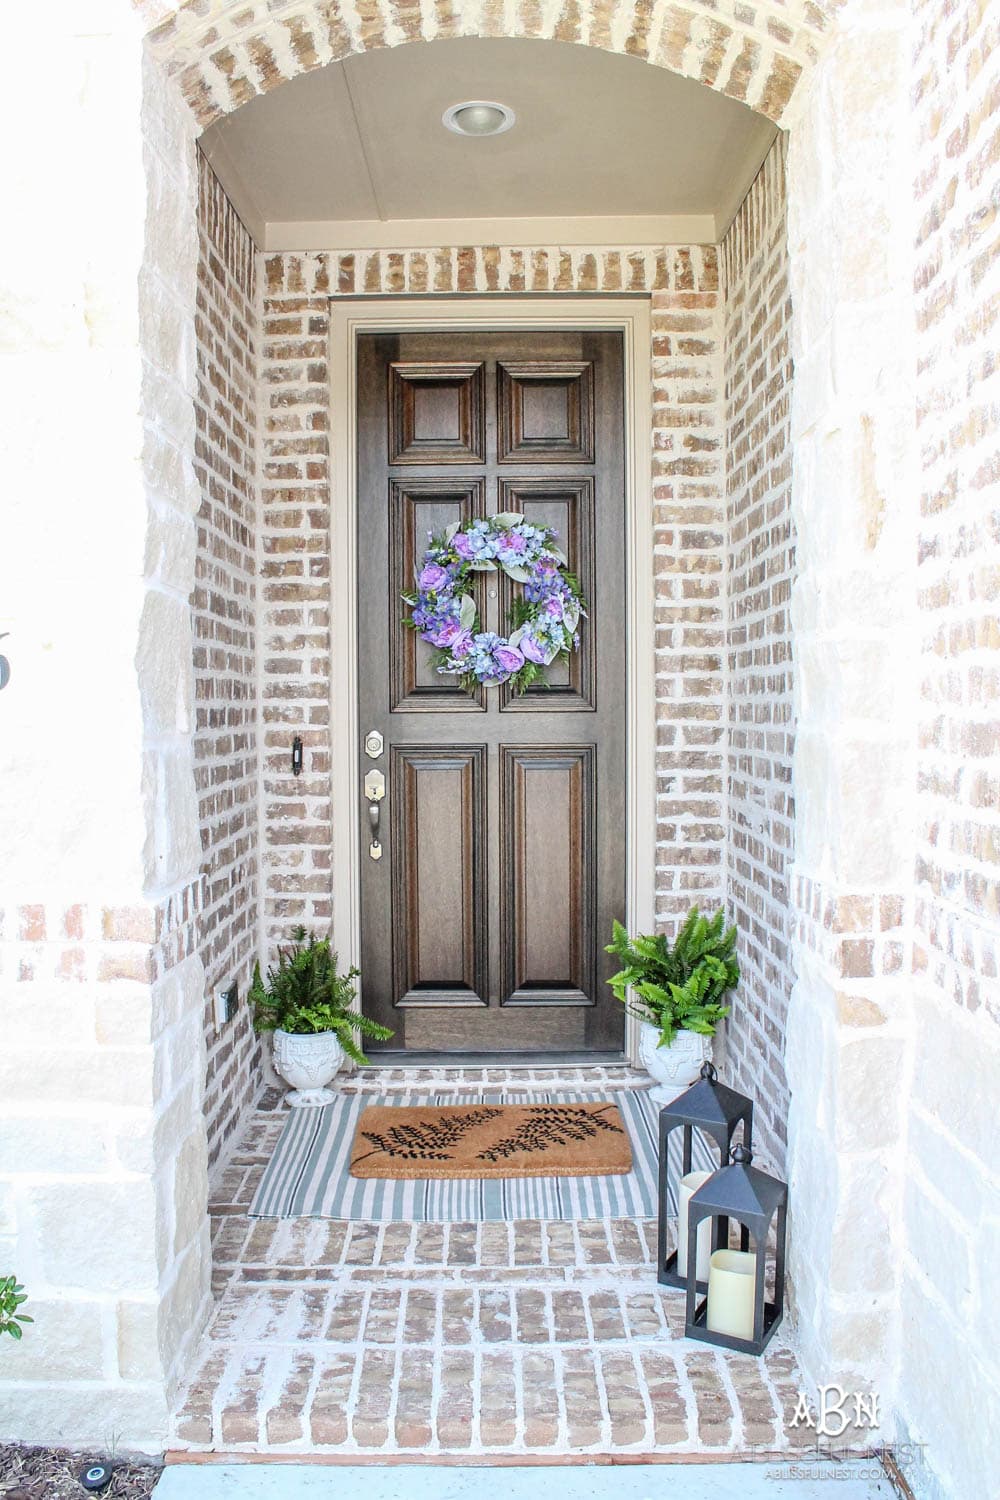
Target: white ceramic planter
(307, 1063)
(675, 1067)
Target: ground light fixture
(478, 117)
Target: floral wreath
(544, 620)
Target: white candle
(732, 1279)
(690, 1183)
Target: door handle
(374, 791)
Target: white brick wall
(224, 605)
(760, 537)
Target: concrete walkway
(802, 1481)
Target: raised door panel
(567, 505)
(436, 413)
(545, 412)
(419, 509)
(437, 799)
(547, 877)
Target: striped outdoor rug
(308, 1175)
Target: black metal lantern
(735, 1313)
(717, 1111)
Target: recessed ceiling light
(478, 117)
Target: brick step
(450, 1315)
(384, 1400)
(320, 1243)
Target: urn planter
(307, 1062)
(673, 1068)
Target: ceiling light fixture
(478, 117)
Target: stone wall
(951, 1206)
(850, 237)
(102, 1142)
(760, 538)
(225, 666)
(689, 513)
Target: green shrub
(12, 1296)
(305, 994)
(678, 988)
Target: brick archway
(224, 52)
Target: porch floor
(546, 1339)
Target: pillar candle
(690, 1183)
(732, 1279)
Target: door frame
(628, 315)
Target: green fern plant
(679, 987)
(12, 1296)
(304, 994)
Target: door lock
(374, 744)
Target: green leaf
(484, 565)
(515, 571)
(679, 986)
(467, 612)
(507, 518)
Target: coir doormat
(491, 1140)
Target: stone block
(65, 1342)
(955, 1416)
(52, 1143)
(137, 1340)
(939, 1245)
(133, 1417)
(122, 1016)
(956, 1063)
(869, 1111)
(863, 1257)
(190, 1204)
(172, 850)
(163, 661)
(97, 1235)
(109, 1077)
(171, 537)
(186, 1304)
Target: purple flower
(515, 542)
(461, 645)
(508, 658)
(444, 634)
(462, 545)
(432, 577)
(554, 608)
(531, 650)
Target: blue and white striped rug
(308, 1177)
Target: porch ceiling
(360, 143)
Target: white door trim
(631, 317)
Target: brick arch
(224, 52)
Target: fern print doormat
(491, 1140)
(309, 1174)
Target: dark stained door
(502, 828)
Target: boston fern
(677, 988)
(305, 994)
(12, 1296)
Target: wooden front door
(501, 833)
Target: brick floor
(451, 1339)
